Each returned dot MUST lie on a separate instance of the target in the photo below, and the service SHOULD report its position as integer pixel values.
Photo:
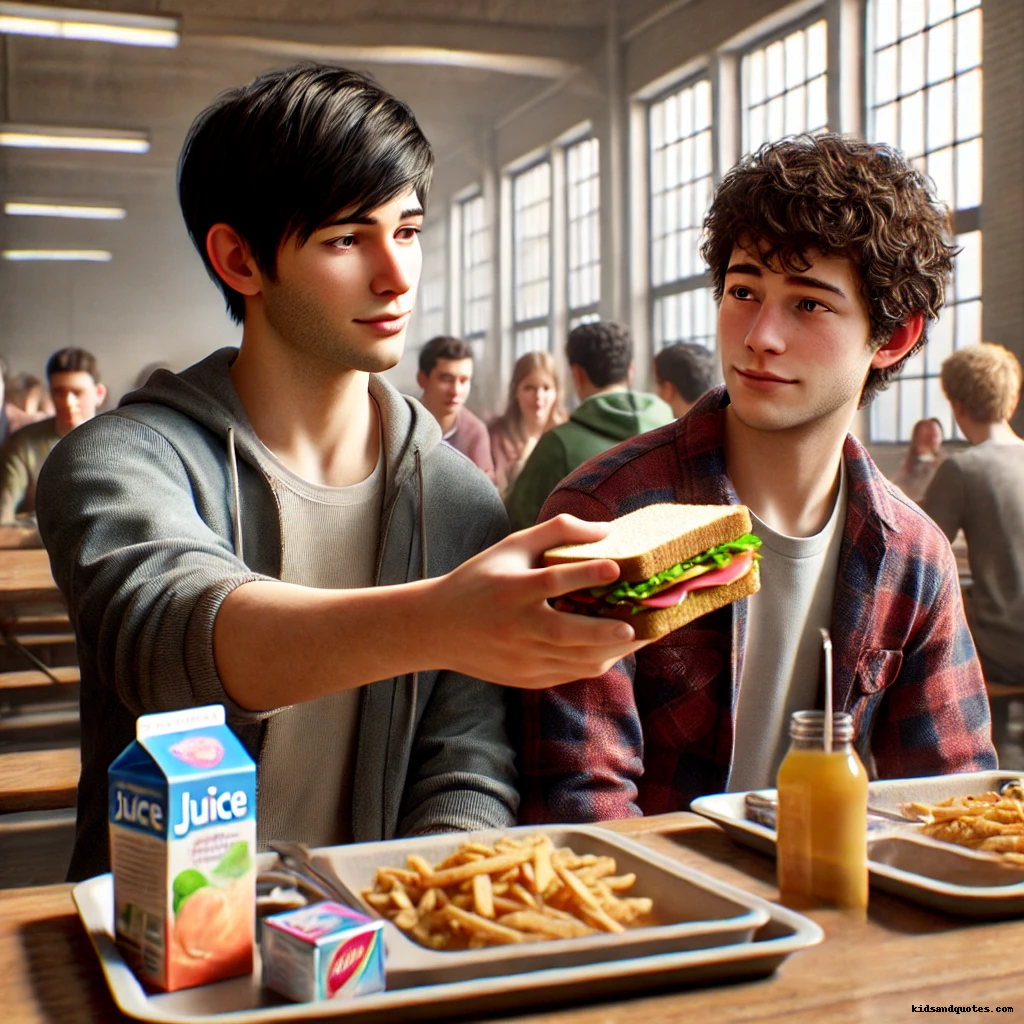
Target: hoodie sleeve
(462, 767)
(142, 574)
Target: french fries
(986, 822)
(518, 890)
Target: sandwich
(676, 563)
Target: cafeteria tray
(938, 875)
(752, 943)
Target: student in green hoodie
(601, 363)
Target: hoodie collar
(206, 394)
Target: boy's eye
(408, 234)
(345, 242)
(810, 305)
(741, 292)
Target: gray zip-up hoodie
(152, 514)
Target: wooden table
(869, 971)
(25, 577)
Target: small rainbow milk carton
(325, 951)
(182, 849)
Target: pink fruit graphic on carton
(199, 751)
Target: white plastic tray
(500, 984)
(939, 875)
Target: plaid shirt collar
(871, 522)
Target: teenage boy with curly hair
(828, 255)
(277, 530)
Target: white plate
(945, 877)
(502, 985)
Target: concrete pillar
(1002, 254)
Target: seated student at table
(924, 454)
(277, 530)
(446, 376)
(819, 306)
(683, 372)
(981, 491)
(600, 357)
(77, 393)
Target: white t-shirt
(782, 658)
(307, 764)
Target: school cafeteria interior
(577, 147)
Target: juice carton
(182, 849)
(325, 951)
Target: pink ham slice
(738, 567)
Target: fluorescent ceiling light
(98, 26)
(62, 255)
(26, 136)
(65, 210)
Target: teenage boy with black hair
(212, 535)
(683, 372)
(820, 304)
(446, 376)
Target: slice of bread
(656, 537)
(656, 623)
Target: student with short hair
(446, 376)
(74, 378)
(820, 303)
(981, 491)
(278, 531)
(600, 356)
(684, 372)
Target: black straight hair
(604, 349)
(285, 154)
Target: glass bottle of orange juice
(822, 816)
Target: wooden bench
(39, 780)
(32, 678)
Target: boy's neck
(999, 432)
(790, 478)
(316, 417)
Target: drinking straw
(826, 643)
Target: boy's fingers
(563, 529)
(564, 579)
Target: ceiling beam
(514, 50)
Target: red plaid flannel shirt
(656, 731)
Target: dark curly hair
(839, 196)
(604, 349)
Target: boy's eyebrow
(412, 211)
(812, 282)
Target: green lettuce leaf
(717, 557)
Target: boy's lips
(386, 323)
(761, 380)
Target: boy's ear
(233, 260)
(904, 338)
(421, 379)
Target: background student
(600, 356)
(683, 373)
(981, 491)
(446, 377)
(533, 407)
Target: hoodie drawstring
(237, 509)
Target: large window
(785, 86)
(583, 213)
(924, 81)
(679, 130)
(531, 258)
(476, 269)
(431, 314)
